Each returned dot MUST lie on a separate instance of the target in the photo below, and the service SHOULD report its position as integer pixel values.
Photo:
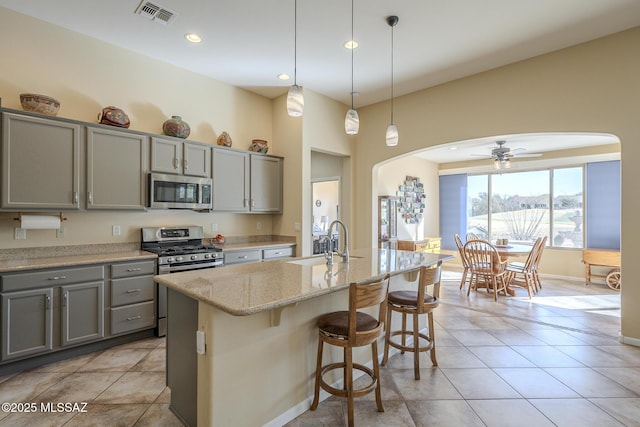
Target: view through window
(522, 206)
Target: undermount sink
(318, 260)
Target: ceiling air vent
(155, 12)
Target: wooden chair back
(471, 236)
(429, 276)
(363, 296)
(460, 245)
(483, 257)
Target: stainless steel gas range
(178, 249)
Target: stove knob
(207, 256)
(178, 258)
(170, 259)
(194, 257)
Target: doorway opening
(326, 209)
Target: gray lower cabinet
(116, 169)
(52, 309)
(27, 323)
(242, 256)
(82, 314)
(133, 296)
(40, 163)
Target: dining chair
(349, 329)
(471, 236)
(537, 249)
(463, 259)
(485, 264)
(415, 303)
(525, 270)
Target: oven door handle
(187, 267)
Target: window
(522, 206)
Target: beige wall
(392, 174)
(85, 75)
(592, 87)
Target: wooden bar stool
(415, 303)
(348, 329)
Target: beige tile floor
(554, 360)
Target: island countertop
(246, 289)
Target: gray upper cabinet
(40, 163)
(116, 169)
(180, 157)
(266, 184)
(245, 182)
(231, 176)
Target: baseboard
(629, 340)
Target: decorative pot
(114, 116)
(259, 146)
(177, 127)
(224, 139)
(42, 104)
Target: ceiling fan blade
(527, 155)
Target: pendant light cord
(392, 73)
(295, 42)
(352, 49)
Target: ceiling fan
(502, 155)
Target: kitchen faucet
(328, 254)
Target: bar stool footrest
(404, 348)
(341, 392)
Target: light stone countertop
(254, 245)
(245, 289)
(24, 264)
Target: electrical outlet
(258, 225)
(60, 233)
(20, 234)
(115, 230)
(214, 228)
(297, 226)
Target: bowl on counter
(42, 104)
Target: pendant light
(392, 130)
(295, 100)
(352, 121)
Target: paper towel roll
(40, 222)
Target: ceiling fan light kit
(502, 155)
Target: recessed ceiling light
(351, 44)
(453, 148)
(193, 38)
(284, 76)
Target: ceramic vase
(114, 116)
(259, 146)
(177, 127)
(224, 139)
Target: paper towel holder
(21, 214)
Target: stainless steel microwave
(179, 192)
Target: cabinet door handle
(133, 291)
(244, 202)
(253, 203)
(176, 162)
(57, 278)
(185, 163)
(277, 253)
(134, 318)
(64, 299)
(47, 302)
(75, 197)
(243, 257)
(133, 269)
(90, 197)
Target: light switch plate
(115, 230)
(200, 342)
(20, 234)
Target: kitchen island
(257, 322)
